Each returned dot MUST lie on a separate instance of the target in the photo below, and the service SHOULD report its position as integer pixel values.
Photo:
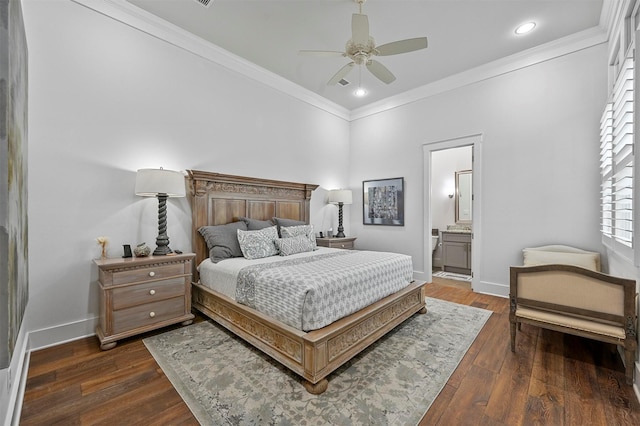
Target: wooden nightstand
(140, 294)
(341, 243)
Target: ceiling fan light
(525, 28)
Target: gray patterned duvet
(312, 292)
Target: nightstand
(341, 243)
(140, 294)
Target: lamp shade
(151, 182)
(343, 196)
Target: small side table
(346, 243)
(140, 294)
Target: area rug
(452, 276)
(224, 381)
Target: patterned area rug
(223, 380)
(452, 276)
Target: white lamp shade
(343, 196)
(151, 182)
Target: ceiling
(462, 34)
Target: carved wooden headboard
(217, 199)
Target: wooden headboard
(217, 199)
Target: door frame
(475, 140)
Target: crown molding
(563, 46)
(141, 20)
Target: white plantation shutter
(616, 159)
(606, 140)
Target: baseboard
(12, 380)
(420, 276)
(16, 374)
(60, 334)
(22, 385)
(484, 287)
(492, 289)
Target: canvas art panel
(14, 277)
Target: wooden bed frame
(218, 199)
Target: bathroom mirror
(464, 194)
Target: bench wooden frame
(624, 318)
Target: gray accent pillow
(280, 222)
(256, 225)
(258, 244)
(293, 245)
(222, 240)
(300, 230)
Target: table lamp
(340, 197)
(162, 184)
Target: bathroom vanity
(456, 252)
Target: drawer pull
(152, 314)
(152, 274)
(342, 245)
(152, 292)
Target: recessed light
(525, 28)
(360, 92)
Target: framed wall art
(383, 202)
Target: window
(616, 158)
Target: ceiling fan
(361, 48)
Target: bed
(218, 199)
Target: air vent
(343, 82)
(205, 3)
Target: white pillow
(294, 231)
(258, 244)
(293, 245)
(562, 255)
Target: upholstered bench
(561, 288)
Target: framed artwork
(383, 202)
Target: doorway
(448, 207)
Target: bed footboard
(316, 354)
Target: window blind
(606, 140)
(616, 158)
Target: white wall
(106, 100)
(540, 181)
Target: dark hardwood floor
(552, 379)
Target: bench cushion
(572, 322)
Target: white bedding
(223, 276)
(310, 290)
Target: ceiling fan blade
(320, 53)
(341, 74)
(402, 46)
(380, 71)
(359, 29)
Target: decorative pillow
(258, 244)
(280, 222)
(294, 231)
(222, 240)
(256, 225)
(293, 245)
